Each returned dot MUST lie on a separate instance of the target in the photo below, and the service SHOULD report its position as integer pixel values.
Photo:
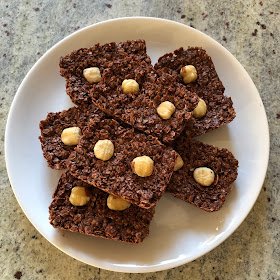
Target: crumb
(74, 5)
(179, 11)
(205, 16)
(258, 23)
(261, 3)
(7, 33)
(216, 278)
(273, 220)
(224, 38)
(227, 25)
(278, 116)
(192, 26)
(273, 51)
(18, 274)
(36, 9)
(255, 32)
(271, 12)
(261, 15)
(108, 6)
(268, 199)
(213, 267)
(221, 13)
(183, 16)
(263, 26)
(5, 25)
(4, 55)
(271, 34)
(264, 188)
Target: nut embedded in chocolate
(207, 86)
(115, 176)
(197, 154)
(95, 218)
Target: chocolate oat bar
(54, 150)
(73, 65)
(140, 108)
(116, 175)
(207, 86)
(95, 218)
(196, 154)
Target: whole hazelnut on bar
(165, 110)
(117, 203)
(143, 166)
(178, 163)
(71, 135)
(92, 74)
(204, 176)
(104, 149)
(80, 196)
(188, 73)
(200, 109)
(130, 86)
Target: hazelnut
(92, 74)
(179, 163)
(104, 149)
(117, 203)
(143, 166)
(130, 86)
(80, 196)
(188, 73)
(204, 176)
(165, 110)
(71, 135)
(200, 109)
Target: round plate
(179, 232)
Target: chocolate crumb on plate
(207, 86)
(95, 218)
(54, 150)
(196, 154)
(115, 175)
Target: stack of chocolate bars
(130, 138)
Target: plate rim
(141, 268)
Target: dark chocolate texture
(73, 64)
(115, 175)
(140, 109)
(197, 154)
(54, 150)
(95, 218)
(208, 86)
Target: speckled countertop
(248, 29)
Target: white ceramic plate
(179, 232)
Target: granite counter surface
(248, 29)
